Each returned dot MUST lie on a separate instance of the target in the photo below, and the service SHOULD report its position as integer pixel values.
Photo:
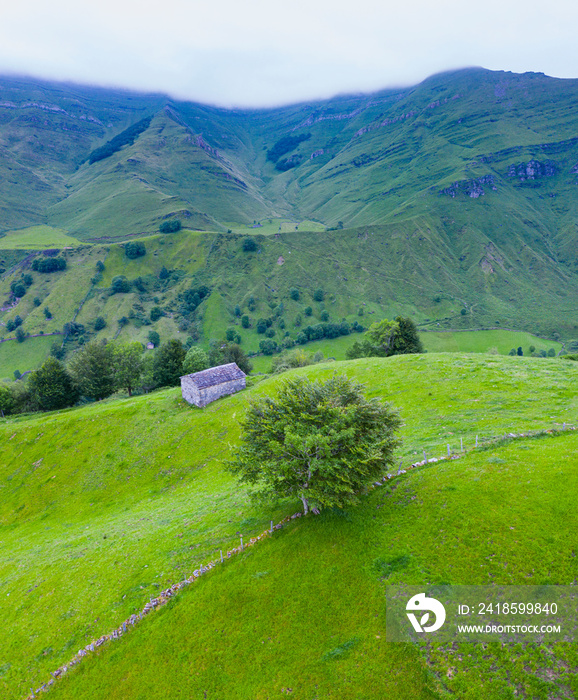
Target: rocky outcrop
(532, 170)
(472, 188)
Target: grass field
(269, 227)
(24, 356)
(482, 341)
(37, 237)
(304, 613)
(105, 505)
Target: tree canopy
(168, 364)
(386, 338)
(52, 386)
(127, 359)
(321, 442)
(92, 369)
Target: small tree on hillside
(52, 386)
(319, 442)
(196, 360)
(222, 353)
(168, 364)
(92, 369)
(6, 400)
(128, 365)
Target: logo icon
(421, 603)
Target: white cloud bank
(255, 53)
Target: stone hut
(203, 387)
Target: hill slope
(105, 505)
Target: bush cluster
(49, 264)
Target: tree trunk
(305, 505)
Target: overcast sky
(251, 53)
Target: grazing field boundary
(169, 593)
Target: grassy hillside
(120, 498)
(259, 628)
(451, 201)
(364, 278)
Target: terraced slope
(105, 505)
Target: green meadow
(24, 356)
(37, 237)
(105, 505)
(483, 341)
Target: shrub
(120, 285)
(249, 245)
(154, 338)
(294, 294)
(47, 265)
(18, 289)
(318, 295)
(156, 313)
(245, 321)
(135, 250)
(171, 226)
(268, 347)
(99, 323)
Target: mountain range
(453, 200)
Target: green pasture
(24, 356)
(269, 227)
(37, 237)
(303, 613)
(104, 505)
(483, 341)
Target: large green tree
(128, 365)
(386, 338)
(321, 442)
(52, 386)
(223, 353)
(196, 360)
(168, 363)
(6, 400)
(92, 368)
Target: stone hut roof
(215, 375)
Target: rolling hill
(105, 505)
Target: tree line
(100, 369)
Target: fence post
(449, 452)
(462, 444)
(476, 440)
(271, 530)
(241, 542)
(424, 457)
(221, 555)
